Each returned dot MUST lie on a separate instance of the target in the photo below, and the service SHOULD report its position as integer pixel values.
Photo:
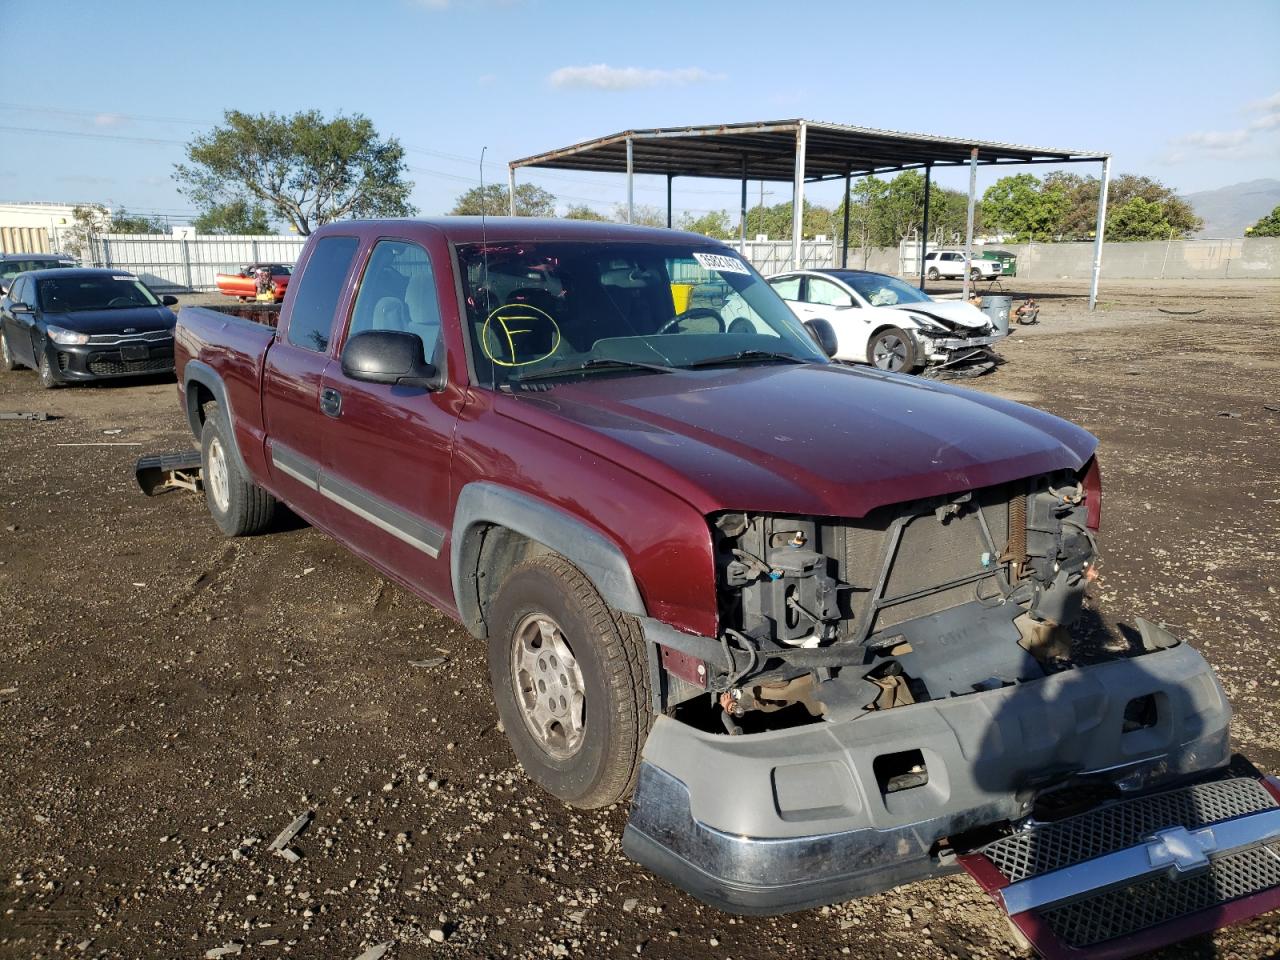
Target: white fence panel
(173, 264)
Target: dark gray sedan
(85, 324)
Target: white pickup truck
(949, 264)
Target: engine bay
(826, 619)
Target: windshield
(583, 307)
(882, 291)
(60, 294)
(11, 268)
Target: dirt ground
(171, 700)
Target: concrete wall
(1238, 259)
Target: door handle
(330, 402)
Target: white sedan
(880, 320)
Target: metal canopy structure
(804, 151)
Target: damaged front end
(952, 350)
(889, 692)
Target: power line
(27, 108)
(85, 135)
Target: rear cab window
(315, 298)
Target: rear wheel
(570, 682)
(892, 349)
(6, 358)
(47, 378)
(239, 506)
(934, 274)
(975, 274)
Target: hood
(820, 439)
(950, 312)
(113, 321)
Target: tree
(124, 222)
(491, 200)
(775, 221)
(1025, 206)
(236, 217)
(580, 211)
(714, 223)
(644, 215)
(306, 170)
(1139, 219)
(1268, 226)
(87, 221)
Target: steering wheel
(121, 302)
(691, 314)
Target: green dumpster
(1008, 262)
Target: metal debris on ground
(286, 835)
(1180, 313)
(429, 662)
(25, 415)
(290, 854)
(1229, 414)
(375, 952)
(229, 949)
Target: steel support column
(742, 213)
(924, 228)
(844, 251)
(797, 197)
(669, 178)
(968, 226)
(511, 190)
(631, 185)
(1100, 232)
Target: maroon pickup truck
(824, 626)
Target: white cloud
(1269, 104)
(109, 120)
(1214, 139)
(601, 76)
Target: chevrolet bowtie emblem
(1183, 851)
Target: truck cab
(827, 629)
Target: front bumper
(946, 350)
(90, 361)
(779, 821)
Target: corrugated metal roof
(765, 150)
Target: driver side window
(398, 292)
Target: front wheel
(570, 682)
(975, 274)
(238, 505)
(892, 349)
(47, 378)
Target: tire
(6, 358)
(588, 751)
(933, 274)
(239, 506)
(893, 350)
(47, 379)
(975, 274)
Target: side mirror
(19, 308)
(389, 356)
(823, 334)
(169, 300)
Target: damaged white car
(880, 320)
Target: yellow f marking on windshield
(517, 320)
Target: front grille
(104, 368)
(114, 338)
(1123, 824)
(1147, 903)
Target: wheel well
(491, 551)
(198, 398)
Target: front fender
(482, 503)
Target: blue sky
(1186, 92)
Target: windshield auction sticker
(721, 263)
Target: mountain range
(1226, 211)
